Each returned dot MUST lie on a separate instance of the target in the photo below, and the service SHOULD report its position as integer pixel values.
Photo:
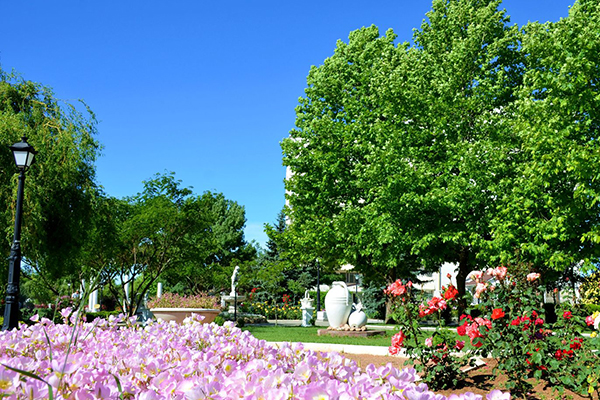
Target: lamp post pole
(23, 154)
(318, 287)
(11, 310)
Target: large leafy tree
(551, 215)
(153, 231)
(218, 248)
(60, 186)
(400, 151)
(333, 195)
(448, 159)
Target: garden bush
(507, 324)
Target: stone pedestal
(307, 316)
(230, 300)
(321, 316)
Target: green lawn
(309, 335)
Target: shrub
(511, 327)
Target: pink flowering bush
(185, 361)
(436, 356)
(174, 300)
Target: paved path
(343, 348)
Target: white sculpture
(307, 309)
(234, 280)
(357, 318)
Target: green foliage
(551, 210)
(590, 290)
(219, 246)
(60, 186)
(191, 242)
(152, 229)
(400, 152)
(373, 301)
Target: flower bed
(507, 325)
(188, 361)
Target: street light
(24, 154)
(318, 286)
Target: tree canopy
(474, 145)
(60, 186)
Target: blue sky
(206, 89)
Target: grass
(309, 335)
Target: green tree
(218, 248)
(400, 151)
(153, 229)
(551, 212)
(60, 186)
(333, 195)
(449, 158)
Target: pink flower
(476, 275)
(397, 288)
(589, 320)
(429, 341)
(397, 340)
(499, 273)
(481, 287)
(533, 276)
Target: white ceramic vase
(338, 304)
(357, 318)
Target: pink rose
(499, 273)
(476, 275)
(481, 287)
(589, 320)
(533, 276)
(429, 341)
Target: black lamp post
(318, 286)
(24, 154)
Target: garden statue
(234, 280)
(357, 318)
(307, 309)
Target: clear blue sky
(206, 89)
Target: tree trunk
(464, 268)
(388, 311)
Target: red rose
(558, 355)
(462, 329)
(497, 313)
(451, 293)
(567, 315)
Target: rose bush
(435, 357)
(185, 361)
(511, 328)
